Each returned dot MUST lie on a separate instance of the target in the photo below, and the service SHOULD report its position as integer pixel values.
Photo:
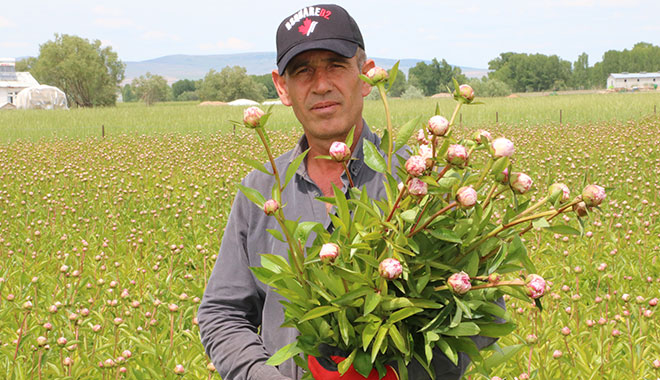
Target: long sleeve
(231, 310)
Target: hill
(179, 66)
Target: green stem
(534, 207)
(260, 132)
(390, 135)
(515, 282)
(398, 200)
(431, 218)
(557, 212)
(348, 174)
(489, 196)
(483, 174)
(453, 116)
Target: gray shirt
(240, 317)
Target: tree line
(90, 75)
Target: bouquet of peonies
(420, 272)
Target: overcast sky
(465, 33)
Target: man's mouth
(322, 106)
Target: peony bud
(494, 278)
(339, 151)
(466, 196)
(173, 307)
(563, 191)
(580, 209)
(457, 155)
(390, 269)
(210, 367)
(61, 341)
(459, 283)
(503, 177)
(329, 252)
(531, 339)
(438, 125)
(271, 206)
(252, 117)
(481, 136)
(535, 286)
(377, 75)
(41, 341)
(503, 147)
(416, 165)
(557, 354)
(521, 182)
(179, 370)
(593, 195)
(417, 187)
(67, 361)
(656, 363)
(565, 331)
(466, 91)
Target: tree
(26, 64)
(400, 84)
(181, 86)
(533, 72)
(151, 88)
(485, 87)
(643, 57)
(580, 77)
(128, 94)
(435, 77)
(267, 81)
(229, 84)
(88, 74)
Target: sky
(465, 33)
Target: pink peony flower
(481, 136)
(329, 252)
(459, 283)
(271, 206)
(593, 195)
(377, 74)
(417, 187)
(466, 91)
(438, 125)
(557, 354)
(535, 286)
(252, 117)
(457, 155)
(421, 137)
(416, 165)
(521, 182)
(339, 151)
(466, 196)
(390, 269)
(179, 370)
(562, 189)
(503, 147)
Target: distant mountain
(176, 67)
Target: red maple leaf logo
(304, 28)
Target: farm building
(11, 82)
(633, 80)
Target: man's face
(325, 92)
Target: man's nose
(321, 83)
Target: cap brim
(342, 47)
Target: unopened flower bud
(417, 187)
(377, 75)
(179, 370)
(593, 195)
(535, 286)
(210, 367)
(521, 182)
(415, 165)
(531, 338)
(457, 155)
(557, 354)
(271, 206)
(503, 147)
(173, 307)
(252, 116)
(466, 91)
(67, 361)
(562, 190)
(339, 151)
(329, 252)
(438, 125)
(466, 196)
(503, 176)
(390, 269)
(494, 278)
(459, 283)
(580, 209)
(481, 136)
(61, 341)
(41, 341)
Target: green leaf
(448, 351)
(403, 314)
(362, 363)
(256, 164)
(499, 165)
(446, 235)
(346, 363)
(252, 195)
(370, 330)
(408, 216)
(319, 312)
(406, 131)
(463, 329)
(378, 342)
(293, 167)
(501, 356)
(496, 330)
(393, 73)
(345, 328)
(275, 263)
(371, 301)
(285, 353)
(563, 229)
(342, 209)
(540, 223)
(349, 138)
(372, 157)
(352, 295)
(398, 339)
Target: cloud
(154, 35)
(113, 22)
(231, 43)
(106, 11)
(6, 23)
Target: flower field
(106, 243)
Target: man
(320, 54)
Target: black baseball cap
(324, 26)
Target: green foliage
(267, 81)
(151, 88)
(530, 72)
(25, 64)
(128, 94)
(412, 92)
(643, 57)
(400, 84)
(486, 87)
(434, 77)
(229, 84)
(88, 74)
(188, 96)
(181, 86)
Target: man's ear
(368, 65)
(280, 86)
